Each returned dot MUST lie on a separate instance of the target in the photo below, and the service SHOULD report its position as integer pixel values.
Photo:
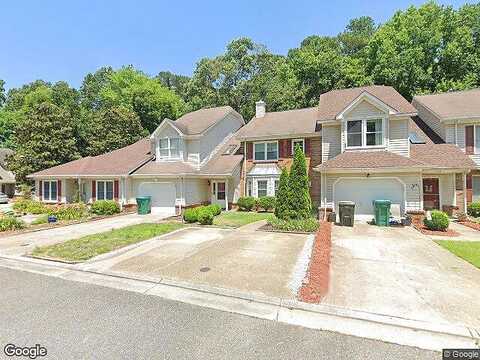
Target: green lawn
(467, 250)
(90, 246)
(238, 218)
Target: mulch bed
(423, 229)
(470, 224)
(269, 228)
(315, 284)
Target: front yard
(239, 218)
(467, 250)
(90, 246)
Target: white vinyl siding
(398, 139)
(331, 142)
(364, 109)
(431, 120)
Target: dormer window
(169, 148)
(365, 133)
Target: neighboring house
(185, 162)
(7, 178)
(455, 117)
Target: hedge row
(202, 214)
(248, 203)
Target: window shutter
(94, 190)
(307, 146)
(469, 188)
(115, 190)
(40, 189)
(249, 151)
(59, 190)
(469, 145)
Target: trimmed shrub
(300, 204)
(283, 197)
(215, 209)
(191, 215)
(69, 211)
(205, 216)
(439, 221)
(267, 203)
(105, 207)
(473, 209)
(11, 223)
(309, 225)
(246, 203)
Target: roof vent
(260, 109)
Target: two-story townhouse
(186, 162)
(455, 117)
(268, 141)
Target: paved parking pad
(248, 261)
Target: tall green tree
(3, 96)
(173, 82)
(283, 197)
(356, 36)
(299, 184)
(44, 137)
(111, 129)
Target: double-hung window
(169, 148)
(105, 190)
(477, 139)
(262, 188)
(266, 151)
(298, 142)
(365, 133)
(50, 190)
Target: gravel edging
(315, 284)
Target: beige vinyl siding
(430, 119)
(447, 189)
(364, 109)
(450, 134)
(331, 143)
(398, 137)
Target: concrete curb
(409, 332)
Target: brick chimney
(260, 109)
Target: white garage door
(163, 196)
(364, 191)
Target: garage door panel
(364, 191)
(163, 196)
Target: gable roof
(332, 103)
(452, 105)
(118, 162)
(196, 122)
(281, 123)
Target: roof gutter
(280, 136)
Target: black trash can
(346, 211)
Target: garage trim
(369, 178)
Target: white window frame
(258, 187)
(169, 148)
(476, 150)
(50, 191)
(364, 133)
(265, 150)
(298, 140)
(104, 189)
(473, 176)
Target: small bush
(294, 225)
(439, 221)
(215, 209)
(191, 215)
(267, 203)
(11, 223)
(205, 216)
(473, 209)
(246, 203)
(29, 206)
(105, 207)
(69, 212)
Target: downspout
(244, 168)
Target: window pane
(46, 190)
(53, 190)
(100, 190)
(174, 143)
(371, 139)
(261, 188)
(354, 139)
(374, 125)
(163, 152)
(163, 143)
(477, 139)
(109, 190)
(276, 186)
(260, 151)
(354, 126)
(272, 151)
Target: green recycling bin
(346, 212)
(382, 212)
(144, 205)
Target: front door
(431, 194)
(219, 193)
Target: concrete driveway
(21, 244)
(402, 273)
(244, 260)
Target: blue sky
(64, 40)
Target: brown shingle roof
(369, 160)
(196, 122)
(441, 156)
(117, 162)
(426, 133)
(334, 102)
(452, 105)
(281, 123)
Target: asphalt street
(74, 320)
